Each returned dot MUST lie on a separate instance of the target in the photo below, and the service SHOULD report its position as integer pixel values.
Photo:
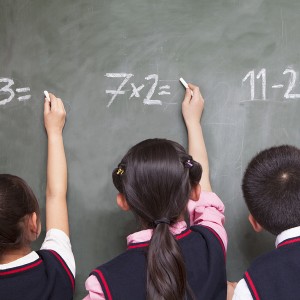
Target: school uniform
(274, 275)
(47, 274)
(203, 246)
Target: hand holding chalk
(47, 95)
(184, 83)
(192, 107)
(54, 115)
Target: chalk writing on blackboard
(135, 90)
(262, 76)
(6, 89)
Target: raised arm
(209, 209)
(192, 108)
(56, 205)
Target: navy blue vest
(47, 278)
(276, 275)
(124, 277)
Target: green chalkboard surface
(116, 64)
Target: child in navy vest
(167, 259)
(47, 274)
(271, 188)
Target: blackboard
(243, 54)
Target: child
(167, 259)
(271, 188)
(48, 273)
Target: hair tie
(188, 164)
(120, 171)
(162, 221)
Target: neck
(13, 255)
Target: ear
(195, 192)
(34, 226)
(122, 203)
(256, 226)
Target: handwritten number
(251, 75)
(262, 74)
(148, 100)
(292, 83)
(7, 89)
(119, 91)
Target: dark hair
(156, 177)
(17, 201)
(271, 188)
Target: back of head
(157, 181)
(271, 188)
(17, 202)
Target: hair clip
(120, 171)
(188, 164)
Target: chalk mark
(164, 93)
(23, 90)
(164, 87)
(23, 98)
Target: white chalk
(184, 83)
(47, 95)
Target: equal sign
(277, 86)
(167, 87)
(23, 90)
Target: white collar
(27, 259)
(287, 234)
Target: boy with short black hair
(271, 188)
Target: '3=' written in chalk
(7, 92)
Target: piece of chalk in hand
(47, 95)
(185, 84)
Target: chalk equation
(6, 89)
(261, 77)
(135, 90)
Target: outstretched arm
(56, 205)
(209, 209)
(192, 108)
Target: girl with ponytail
(168, 259)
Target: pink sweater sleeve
(94, 288)
(209, 211)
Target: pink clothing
(207, 211)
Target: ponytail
(166, 274)
(156, 177)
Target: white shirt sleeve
(242, 291)
(58, 241)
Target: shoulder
(265, 261)
(55, 265)
(59, 242)
(210, 236)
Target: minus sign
(278, 86)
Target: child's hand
(192, 106)
(230, 289)
(54, 115)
